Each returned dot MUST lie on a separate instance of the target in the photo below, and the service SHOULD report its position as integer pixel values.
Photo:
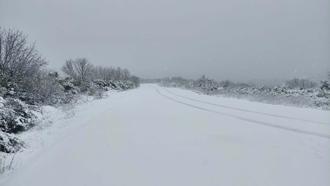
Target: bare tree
(83, 69)
(68, 68)
(125, 74)
(19, 61)
(79, 69)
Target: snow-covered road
(155, 136)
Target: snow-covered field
(165, 136)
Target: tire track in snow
(315, 134)
(248, 111)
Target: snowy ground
(166, 136)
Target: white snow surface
(172, 137)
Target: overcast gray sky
(224, 39)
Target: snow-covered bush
(101, 84)
(69, 86)
(15, 116)
(43, 89)
(206, 85)
(9, 143)
(124, 84)
(325, 85)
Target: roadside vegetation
(296, 92)
(26, 85)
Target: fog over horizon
(242, 40)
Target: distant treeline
(23, 73)
(299, 92)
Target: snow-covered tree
(79, 69)
(19, 61)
